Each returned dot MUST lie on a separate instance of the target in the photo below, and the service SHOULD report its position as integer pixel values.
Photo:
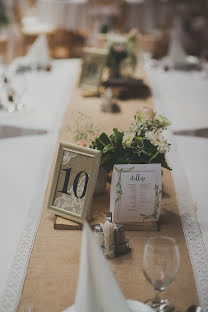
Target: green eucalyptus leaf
(146, 153)
(108, 148)
(104, 139)
(117, 136)
(153, 157)
(160, 159)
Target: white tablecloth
(182, 97)
(24, 172)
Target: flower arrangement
(143, 143)
(121, 48)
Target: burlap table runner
(52, 275)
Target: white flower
(147, 113)
(158, 140)
(163, 121)
(128, 138)
(153, 136)
(163, 147)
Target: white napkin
(176, 53)
(38, 52)
(97, 289)
(38, 55)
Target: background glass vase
(160, 266)
(127, 68)
(114, 72)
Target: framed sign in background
(136, 193)
(73, 181)
(94, 60)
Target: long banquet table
(52, 272)
(53, 269)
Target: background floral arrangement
(143, 143)
(121, 48)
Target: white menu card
(136, 193)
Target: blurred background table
(67, 14)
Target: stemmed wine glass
(160, 266)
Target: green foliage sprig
(155, 214)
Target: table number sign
(73, 181)
(94, 60)
(136, 193)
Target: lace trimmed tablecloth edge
(10, 299)
(191, 228)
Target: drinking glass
(160, 266)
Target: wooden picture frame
(94, 60)
(73, 181)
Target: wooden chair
(60, 44)
(66, 44)
(27, 41)
(147, 41)
(161, 45)
(78, 43)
